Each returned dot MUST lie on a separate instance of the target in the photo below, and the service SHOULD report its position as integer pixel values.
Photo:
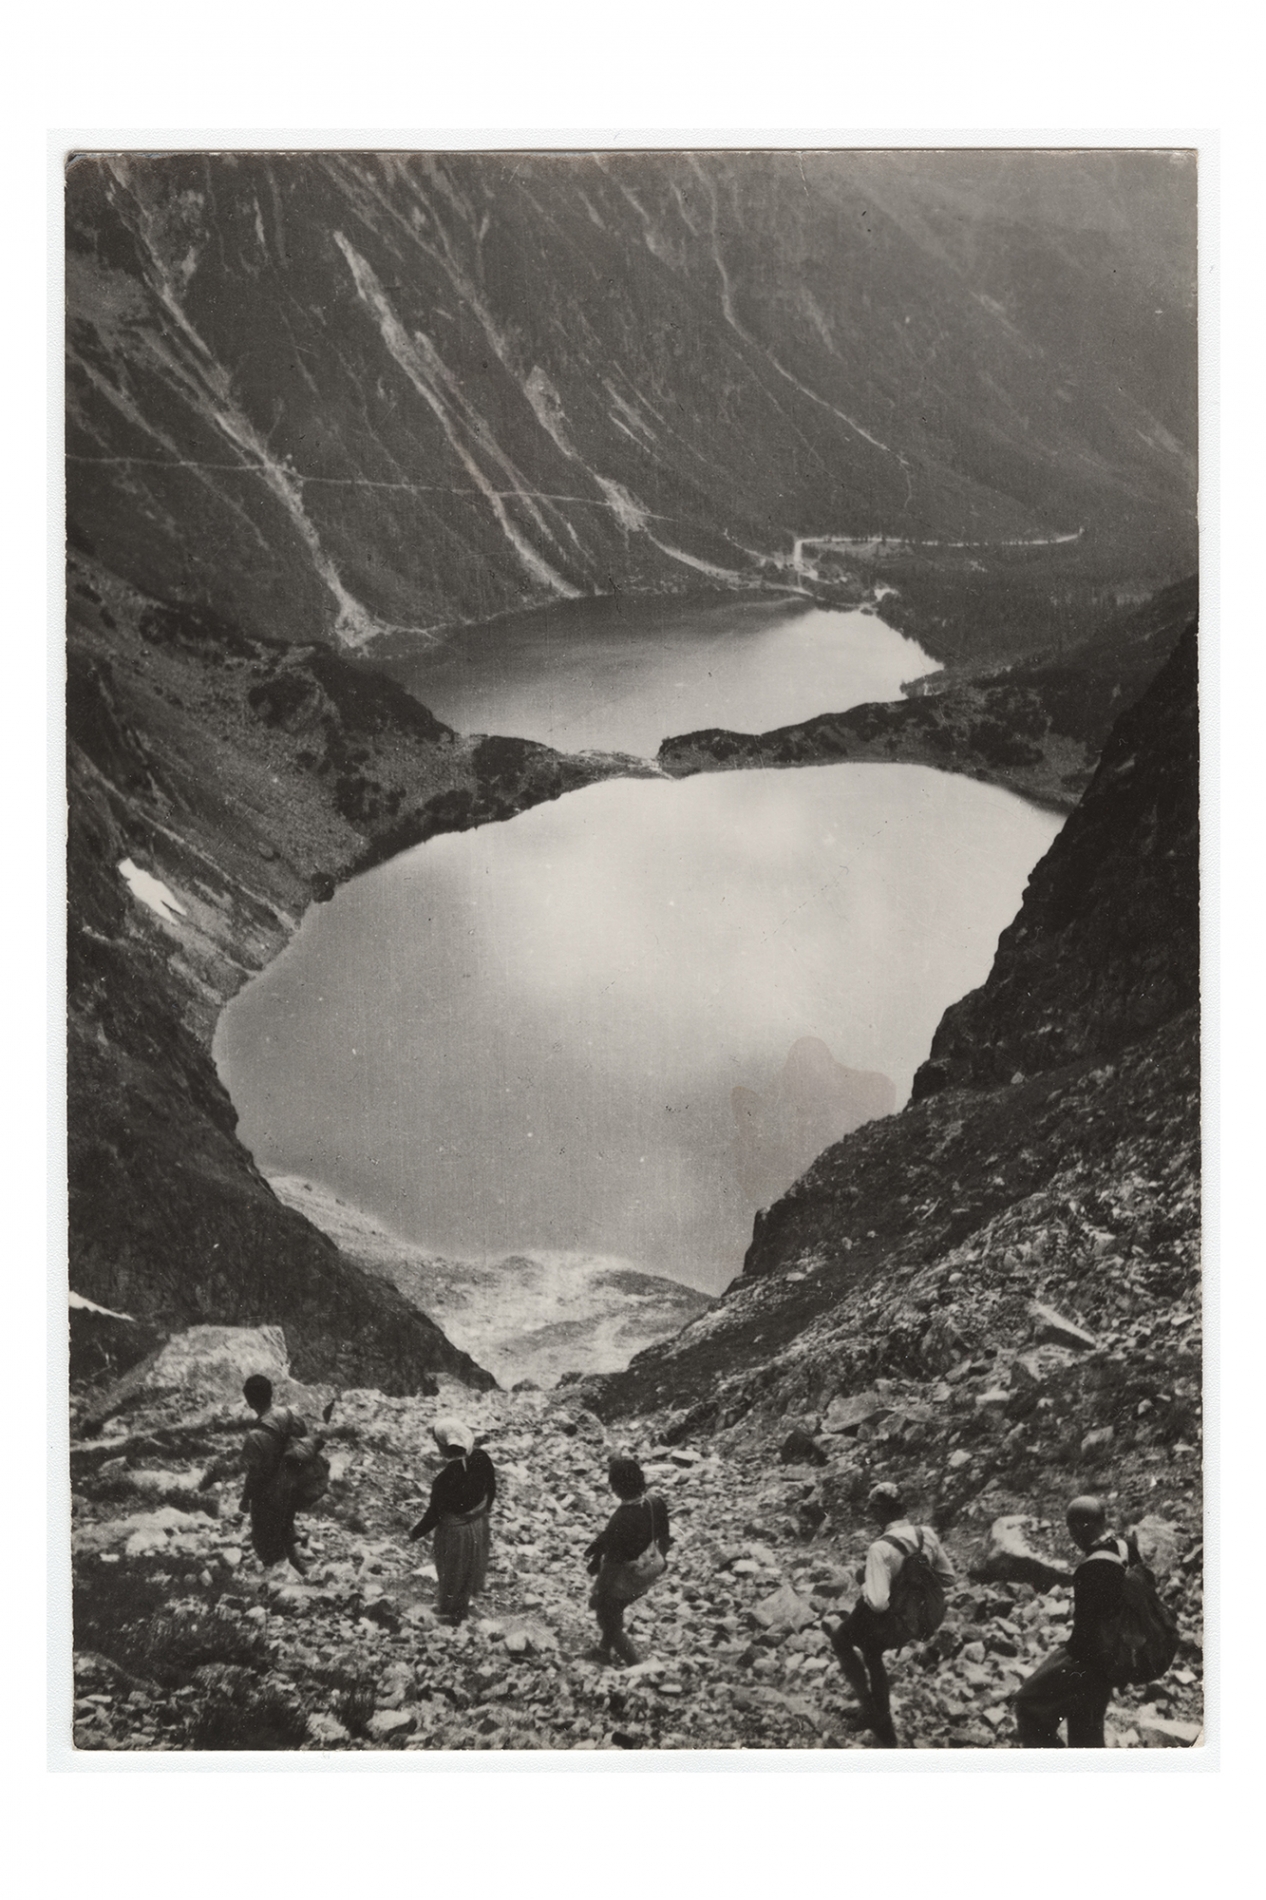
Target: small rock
(325, 1729)
(1009, 1557)
(785, 1609)
(1051, 1328)
(799, 1448)
(957, 1459)
(1157, 1731)
(1097, 1440)
(1158, 1544)
(847, 1414)
(383, 1724)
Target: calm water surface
(621, 677)
(528, 1036)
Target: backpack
(1139, 1641)
(302, 1471)
(308, 1469)
(917, 1598)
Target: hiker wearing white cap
(458, 1513)
(904, 1582)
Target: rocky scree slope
(184, 1643)
(243, 778)
(1089, 1020)
(1004, 1278)
(351, 395)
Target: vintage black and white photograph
(633, 948)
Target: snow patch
(82, 1305)
(151, 892)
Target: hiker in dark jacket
(626, 1556)
(1068, 1686)
(459, 1514)
(269, 1492)
(871, 1627)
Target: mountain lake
(617, 1023)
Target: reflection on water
(620, 677)
(814, 1102)
(531, 1035)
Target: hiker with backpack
(904, 1581)
(1121, 1633)
(285, 1472)
(626, 1556)
(459, 1512)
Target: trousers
(1062, 1690)
(859, 1644)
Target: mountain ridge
(398, 392)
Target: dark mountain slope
(333, 396)
(1078, 1184)
(241, 778)
(1107, 942)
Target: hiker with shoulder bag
(904, 1582)
(286, 1472)
(627, 1556)
(1122, 1632)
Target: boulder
(844, 1485)
(799, 1448)
(1158, 1731)
(784, 1609)
(385, 1724)
(1008, 1556)
(201, 1373)
(1052, 1329)
(528, 1636)
(1158, 1542)
(847, 1414)
(1031, 1368)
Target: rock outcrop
(1106, 945)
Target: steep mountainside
(217, 784)
(1054, 1156)
(395, 392)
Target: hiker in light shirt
(871, 1627)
